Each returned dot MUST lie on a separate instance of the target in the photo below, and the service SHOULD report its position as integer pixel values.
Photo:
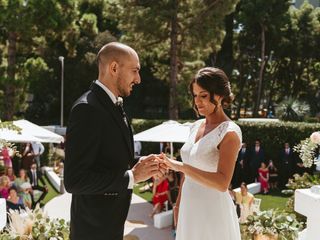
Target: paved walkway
(139, 223)
(139, 226)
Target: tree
(23, 38)
(79, 43)
(175, 35)
(264, 19)
(298, 55)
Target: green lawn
(272, 200)
(51, 192)
(146, 195)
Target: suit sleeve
(82, 153)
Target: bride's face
(202, 100)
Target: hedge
(272, 135)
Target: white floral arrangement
(306, 149)
(34, 224)
(273, 223)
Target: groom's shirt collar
(107, 90)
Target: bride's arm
(220, 180)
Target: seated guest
(264, 178)
(21, 179)
(233, 197)
(14, 202)
(35, 175)
(273, 175)
(26, 194)
(4, 186)
(160, 194)
(245, 200)
(10, 174)
(24, 188)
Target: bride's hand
(170, 163)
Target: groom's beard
(123, 89)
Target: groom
(100, 169)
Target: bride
(204, 209)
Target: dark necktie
(34, 178)
(119, 105)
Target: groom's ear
(113, 68)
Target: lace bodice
(204, 154)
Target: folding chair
(256, 205)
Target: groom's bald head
(114, 51)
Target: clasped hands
(154, 165)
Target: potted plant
(271, 225)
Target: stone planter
(265, 237)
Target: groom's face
(128, 75)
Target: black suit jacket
(286, 161)
(243, 156)
(38, 175)
(256, 158)
(99, 151)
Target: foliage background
(270, 55)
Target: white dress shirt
(37, 147)
(114, 100)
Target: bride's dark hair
(215, 81)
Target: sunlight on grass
(273, 200)
(146, 195)
(51, 193)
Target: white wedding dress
(206, 213)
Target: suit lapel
(131, 140)
(111, 108)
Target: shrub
(274, 134)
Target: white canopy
(170, 131)
(43, 135)
(13, 136)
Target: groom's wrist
(131, 179)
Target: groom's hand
(146, 167)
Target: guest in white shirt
(38, 150)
